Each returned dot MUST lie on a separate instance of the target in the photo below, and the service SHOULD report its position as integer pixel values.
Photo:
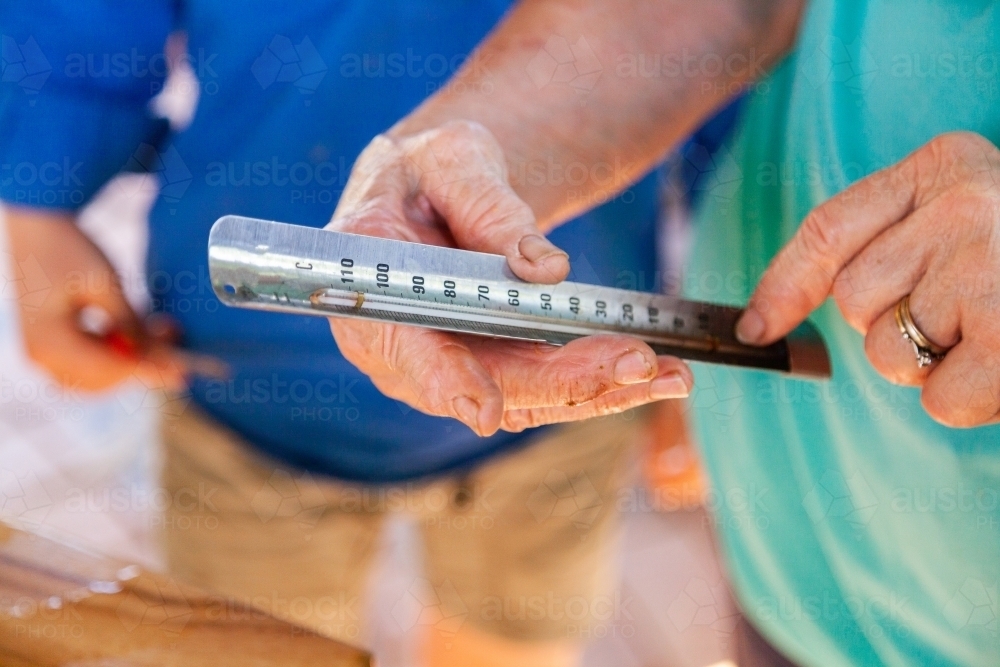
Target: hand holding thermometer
(275, 266)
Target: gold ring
(926, 350)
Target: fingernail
(672, 385)
(750, 328)
(536, 248)
(467, 410)
(632, 368)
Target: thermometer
(275, 266)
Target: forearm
(660, 69)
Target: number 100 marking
(382, 277)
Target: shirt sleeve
(76, 80)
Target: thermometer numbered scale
(275, 266)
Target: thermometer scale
(274, 266)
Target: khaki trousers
(521, 546)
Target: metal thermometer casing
(275, 266)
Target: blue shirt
(291, 93)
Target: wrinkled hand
(929, 227)
(448, 186)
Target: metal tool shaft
(275, 266)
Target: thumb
(460, 169)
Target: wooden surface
(62, 607)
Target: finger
(150, 349)
(379, 199)
(74, 358)
(892, 355)
(885, 271)
(801, 276)
(162, 328)
(162, 368)
(462, 171)
(122, 317)
(935, 311)
(202, 365)
(964, 389)
(672, 381)
(936, 307)
(379, 175)
(104, 305)
(535, 375)
(430, 370)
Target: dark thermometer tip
(807, 354)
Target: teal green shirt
(857, 530)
